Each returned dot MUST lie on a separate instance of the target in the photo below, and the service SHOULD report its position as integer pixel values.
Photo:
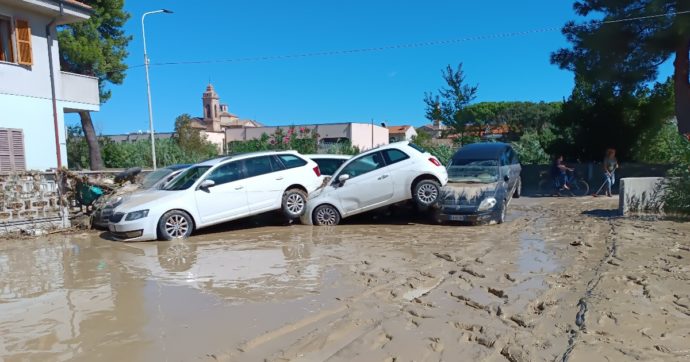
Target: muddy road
(562, 280)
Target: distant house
(401, 133)
(138, 136)
(34, 93)
(361, 135)
(434, 130)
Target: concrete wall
(361, 136)
(641, 194)
(217, 138)
(30, 201)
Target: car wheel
(518, 189)
(294, 203)
(426, 192)
(326, 215)
(175, 224)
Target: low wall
(593, 173)
(30, 202)
(641, 194)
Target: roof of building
(398, 129)
(78, 3)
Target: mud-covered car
(155, 180)
(482, 179)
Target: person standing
(610, 166)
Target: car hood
(142, 199)
(466, 193)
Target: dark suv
(482, 179)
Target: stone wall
(641, 195)
(31, 201)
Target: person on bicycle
(559, 173)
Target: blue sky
(385, 86)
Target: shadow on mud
(602, 213)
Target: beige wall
(217, 138)
(361, 136)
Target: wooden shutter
(12, 156)
(23, 32)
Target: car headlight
(136, 215)
(487, 204)
(114, 202)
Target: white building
(401, 133)
(32, 135)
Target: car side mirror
(206, 184)
(506, 178)
(343, 178)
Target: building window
(25, 56)
(6, 43)
(12, 157)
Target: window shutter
(24, 43)
(5, 154)
(12, 156)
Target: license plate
(456, 217)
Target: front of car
(103, 208)
(136, 217)
(474, 191)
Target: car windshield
(187, 178)
(328, 166)
(152, 178)
(473, 170)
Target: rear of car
(328, 164)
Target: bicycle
(576, 184)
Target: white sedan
(377, 178)
(217, 191)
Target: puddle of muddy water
(84, 298)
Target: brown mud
(563, 279)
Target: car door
(401, 169)
(369, 185)
(227, 199)
(265, 183)
(513, 169)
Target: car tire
(175, 224)
(294, 203)
(326, 215)
(518, 189)
(426, 193)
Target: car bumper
(471, 218)
(136, 230)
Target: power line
(411, 45)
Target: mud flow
(562, 279)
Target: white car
(379, 177)
(328, 163)
(217, 191)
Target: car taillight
(434, 161)
(317, 171)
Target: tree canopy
(448, 104)
(620, 53)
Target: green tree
(518, 116)
(96, 47)
(451, 100)
(190, 139)
(620, 57)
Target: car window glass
(257, 166)
(514, 157)
(228, 172)
(292, 161)
(392, 156)
(504, 158)
(364, 164)
(187, 178)
(328, 166)
(275, 164)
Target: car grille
(106, 213)
(116, 217)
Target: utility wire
(413, 45)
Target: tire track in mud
(582, 305)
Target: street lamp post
(148, 82)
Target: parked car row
(319, 189)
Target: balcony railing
(79, 89)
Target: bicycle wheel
(580, 188)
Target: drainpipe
(49, 38)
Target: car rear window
(291, 161)
(418, 148)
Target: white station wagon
(380, 177)
(217, 191)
